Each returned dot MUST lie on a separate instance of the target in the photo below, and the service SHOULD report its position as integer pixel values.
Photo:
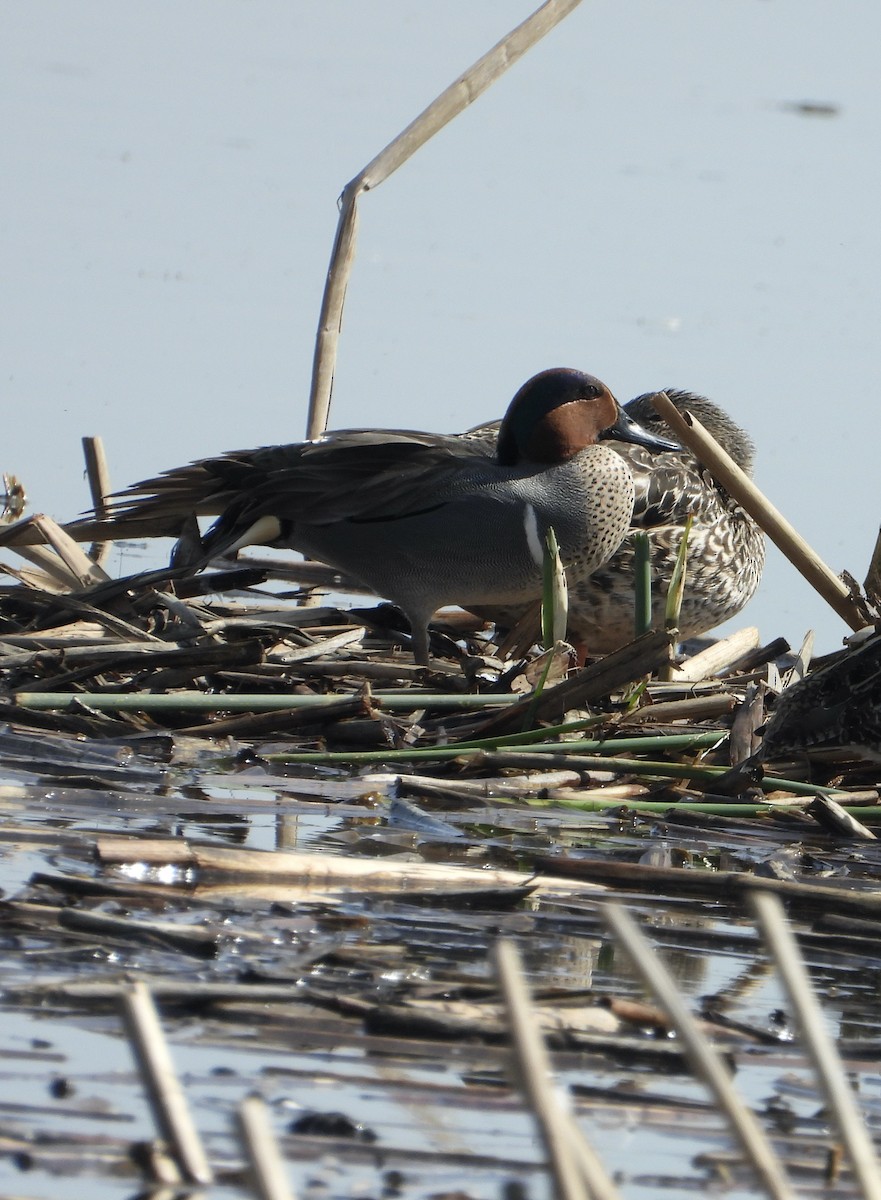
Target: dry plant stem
(750, 716)
(801, 666)
(700, 708)
(704, 1060)
(693, 435)
(318, 870)
(440, 112)
(872, 583)
(267, 1168)
(842, 1106)
(28, 533)
(709, 662)
(578, 1173)
(54, 576)
(166, 1096)
(831, 815)
(99, 488)
(84, 572)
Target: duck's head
(560, 412)
(730, 436)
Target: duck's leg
(419, 634)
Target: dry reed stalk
(319, 871)
(266, 1166)
(696, 708)
(821, 577)
(164, 1091)
(439, 113)
(872, 582)
(832, 816)
(72, 562)
(717, 657)
(577, 1171)
(98, 476)
(841, 1104)
(51, 576)
(750, 716)
(29, 533)
(801, 666)
(704, 1060)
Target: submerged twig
(577, 1170)
(705, 1061)
(166, 1096)
(266, 1165)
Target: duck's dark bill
(626, 429)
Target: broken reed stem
(669, 807)
(704, 1060)
(27, 533)
(164, 1091)
(577, 1171)
(269, 1178)
(821, 577)
(872, 582)
(98, 476)
(842, 1106)
(835, 817)
(718, 656)
(439, 113)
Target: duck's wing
(356, 473)
(373, 476)
(670, 486)
(667, 496)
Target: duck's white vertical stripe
(533, 537)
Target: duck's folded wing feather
(366, 474)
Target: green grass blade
(642, 597)
(677, 581)
(555, 597)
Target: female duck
(425, 519)
(726, 549)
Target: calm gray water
(645, 196)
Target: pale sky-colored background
(640, 197)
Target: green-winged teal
(426, 519)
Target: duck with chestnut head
(427, 519)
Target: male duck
(425, 519)
(726, 549)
